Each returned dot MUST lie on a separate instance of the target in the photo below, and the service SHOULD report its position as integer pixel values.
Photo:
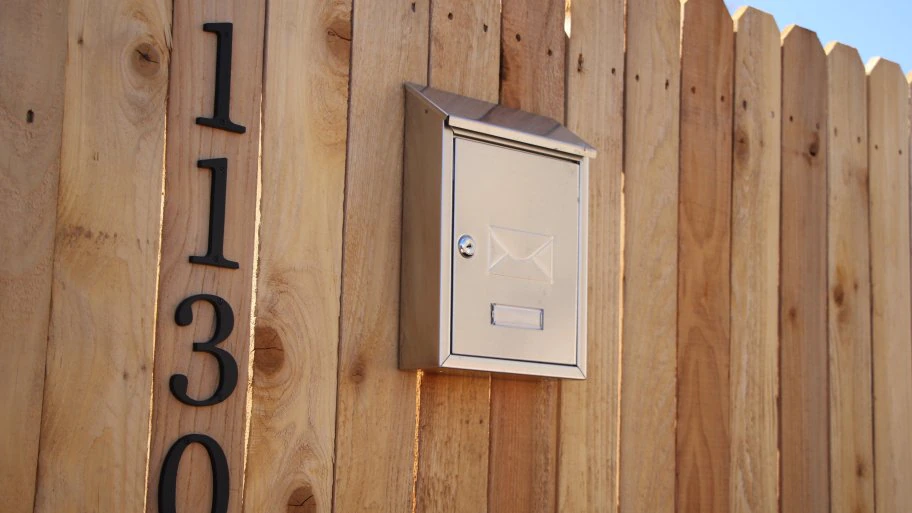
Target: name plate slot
(520, 317)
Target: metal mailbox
(493, 239)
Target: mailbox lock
(466, 246)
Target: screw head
(466, 246)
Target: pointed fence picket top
(849, 284)
(703, 428)
(888, 161)
(756, 177)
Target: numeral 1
(221, 118)
(218, 191)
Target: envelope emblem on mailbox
(520, 254)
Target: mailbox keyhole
(466, 246)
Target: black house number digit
(228, 369)
(167, 485)
(221, 118)
(218, 191)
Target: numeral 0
(167, 485)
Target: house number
(224, 315)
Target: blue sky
(877, 28)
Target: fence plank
(704, 251)
(524, 413)
(851, 409)
(589, 410)
(185, 230)
(295, 367)
(33, 43)
(755, 264)
(804, 424)
(375, 421)
(95, 422)
(454, 432)
(652, 128)
(888, 142)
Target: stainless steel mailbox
(493, 239)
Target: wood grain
(465, 48)
(454, 431)
(888, 161)
(522, 475)
(295, 362)
(851, 407)
(651, 145)
(453, 444)
(589, 410)
(185, 231)
(33, 46)
(533, 53)
(803, 285)
(375, 420)
(755, 264)
(95, 423)
(704, 251)
(524, 413)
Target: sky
(877, 28)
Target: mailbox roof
(503, 122)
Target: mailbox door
(516, 297)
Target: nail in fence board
(95, 419)
(454, 425)
(33, 36)
(888, 145)
(524, 413)
(588, 455)
(756, 176)
(849, 312)
(375, 420)
(295, 359)
(187, 232)
(647, 451)
(704, 249)
(803, 364)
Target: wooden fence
(750, 341)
